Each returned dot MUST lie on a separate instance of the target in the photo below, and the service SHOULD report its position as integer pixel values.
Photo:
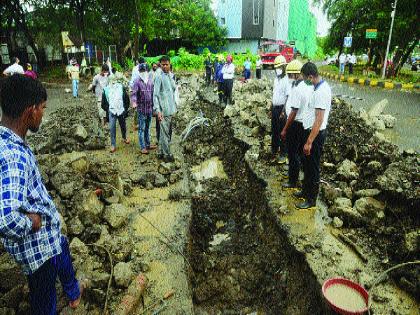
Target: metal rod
(389, 38)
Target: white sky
(323, 25)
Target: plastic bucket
(350, 284)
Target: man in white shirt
(14, 68)
(278, 118)
(352, 62)
(258, 66)
(342, 62)
(228, 72)
(293, 132)
(314, 120)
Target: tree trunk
(136, 31)
(403, 59)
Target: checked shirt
(22, 191)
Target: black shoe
(160, 156)
(299, 194)
(306, 204)
(289, 185)
(168, 159)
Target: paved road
(405, 106)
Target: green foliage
(117, 66)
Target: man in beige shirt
(73, 73)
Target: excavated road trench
(241, 258)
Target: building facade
(251, 22)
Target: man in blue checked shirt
(29, 221)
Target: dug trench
(242, 261)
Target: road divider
(371, 82)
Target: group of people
(15, 67)
(151, 92)
(349, 59)
(299, 117)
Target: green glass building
(302, 27)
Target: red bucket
(351, 285)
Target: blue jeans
(75, 88)
(42, 293)
(247, 74)
(145, 121)
(113, 127)
(342, 67)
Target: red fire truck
(271, 49)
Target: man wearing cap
(292, 132)
(73, 73)
(228, 73)
(280, 95)
(314, 120)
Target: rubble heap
(72, 128)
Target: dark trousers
(157, 129)
(247, 74)
(294, 139)
(350, 68)
(42, 293)
(228, 86)
(220, 91)
(311, 165)
(278, 120)
(258, 73)
(208, 76)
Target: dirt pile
(76, 181)
(371, 189)
(74, 127)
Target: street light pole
(394, 7)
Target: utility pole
(394, 9)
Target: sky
(322, 22)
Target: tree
(355, 16)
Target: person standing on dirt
(14, 68)
(165, 107)
(247, 69)
(342, 61)
(30, 227)
(219, 78)
(278, 118)
(352, 62)
(314, 120)
(116, 102)
(100, 81)
(228, 72)
(292, 132)
(258, 66)
(74, 75)
(209, 66)
(142, 99)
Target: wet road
(405, 106)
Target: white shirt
(281, 90)
(258, 63)
(353, 59)
(115, 98)
(320, 99)
(14, 68)
(342, 58)
(228, 71)
(299, 99)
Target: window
(223, 21)
(256, 11)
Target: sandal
(126, 141)
(152, 147)
(144, 151)
(113, 149)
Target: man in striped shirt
(29, 221)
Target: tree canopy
(129, 24)
(355, 16)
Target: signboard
(371, 33)
(347, 41)
(66, 40)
